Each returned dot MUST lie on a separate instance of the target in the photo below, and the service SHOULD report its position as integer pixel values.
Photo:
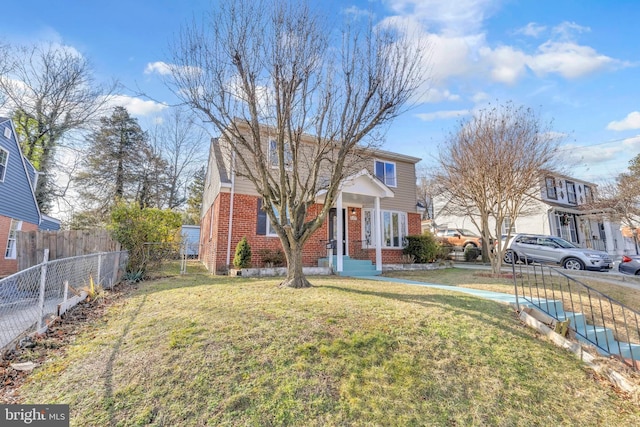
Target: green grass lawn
(478, 279)
(199, 350)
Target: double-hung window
(571, 193)
(4, 159)
(588, 194)
(274, 159)
(551, 188)
(508, 226)
(386, 172)
(15, 226)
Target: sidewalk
(495, 296)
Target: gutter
(233, 187)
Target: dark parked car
(630, 264)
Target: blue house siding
(49, 224)
(16, 193)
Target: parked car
(630, 264)
(553, 249)
(460, 237)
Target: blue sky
(576, 62)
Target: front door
(333, 228)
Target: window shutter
(261, 224)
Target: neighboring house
(18, 207)
(377, 207)
(190, 235)
(563, 210)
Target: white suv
(552, 249)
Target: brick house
(377, 206)
(18, 207)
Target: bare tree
(182, 143)
(427, 191)
(273, 64)
(492, 167)
(50, 91)
(621, 200)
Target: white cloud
(451, 114)
(480, 97)
(507, 64)
(356, 11)
(592, 155)
(433, 95)
(566, 30)
(451, 18)
(136, 106)
(632, 121)
(632, 143)
(532, 29)
(568, 59)
(159, 67)
(459, 46)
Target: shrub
(242, 259)
(133, 227)
(423, 248)
(471, 253)
(273, 258)
(444, 249)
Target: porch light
(353, 211)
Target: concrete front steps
(603, 337)
(351, 267)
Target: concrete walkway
(494, 296)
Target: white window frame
(552, 192)
(10, 252)
(403, 229)
(573, 193)
(270, 232)
(385, 179)
(273, 155)
(508, 224)
(3, 171)
(588, 194)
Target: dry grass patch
(232, 351)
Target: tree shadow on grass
(481, 310)
(109, 401)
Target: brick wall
(9, 266)
(214, 251)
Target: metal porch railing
(595, 318)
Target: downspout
(233, 188)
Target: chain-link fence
(30, 297)
(172, 258)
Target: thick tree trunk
(295, 277)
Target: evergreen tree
(114, 168)
(194, 202)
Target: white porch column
(610, 249)
(339, 233)
(378, 234)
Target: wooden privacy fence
(30, 245)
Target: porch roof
(362, 187)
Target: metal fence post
(99, 274)
(515, 282)
(43, 283)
